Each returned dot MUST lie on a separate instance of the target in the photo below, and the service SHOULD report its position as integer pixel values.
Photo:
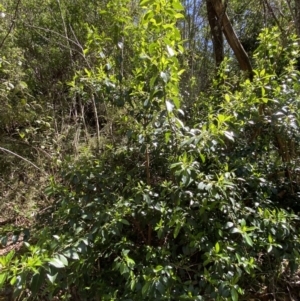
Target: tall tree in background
(219, 21)
(294, 7)
(216, 30)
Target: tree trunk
(231, 37)
(216, 31)
(297, 17)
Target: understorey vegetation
(149, 150)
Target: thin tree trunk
(83, 118)
(216, 31)
(97, 121)
(147, 158)
(270, 9)
(231, 37)
(297, 17)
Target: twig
(80, 46)
(273, 15)
(55, 32)
(66, 32)
(12, 24)
(291, 9)
(24, 159)
(75, 37)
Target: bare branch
(273, 15)
(24, 159)
(12, 24)
(54, 32)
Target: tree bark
(297, 16)
(231, 37)
(216, 31)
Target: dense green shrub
(170, 211)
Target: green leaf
(9, 256)
(202, 158)
(270, 238)
(3, 277)
(145, 288)
(130, 262)
(167, 137)
(87, 72)
(179, 16)
(81, 247)
(177, 229)
(217, 248)
(132, 284)
(170, 106)
(235, 279)
(179, 123)
(177, 5)
(170, 51)
(146, 2)
(52, 277)
(3, 240)
(71, 253)
(176, 102)
(123, 268)
(229, 135)
(152, 81)
(37, 281)
(158, 268)
(229, 225)
(235, 230)
(165, 77)
(248, 239)
(180, 71)
(63, 259)
(125, 222)
(234, 294)
(13, 280)
(160, 287)
(57, 263)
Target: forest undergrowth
(149, 151)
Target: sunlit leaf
(176, 101)
(170, 51)
(52, 278)
(217, 247)
(57, 263)
(3, 277)
(170, 106)
(179, 16)
(248, 239)
(177, 5)
(165, 77)
(71, 253)
(158, 268)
